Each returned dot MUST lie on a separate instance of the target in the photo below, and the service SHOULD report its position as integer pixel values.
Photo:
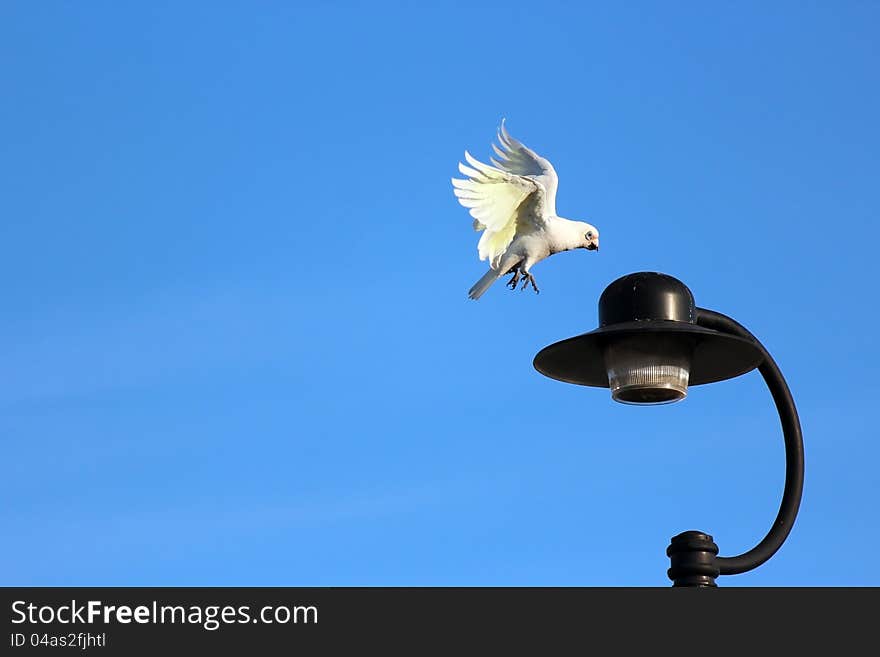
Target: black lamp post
(651, 344)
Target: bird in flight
(513, 201)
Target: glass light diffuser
(647, 370)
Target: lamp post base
(692, 558)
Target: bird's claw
(528, 278)
(513, 281)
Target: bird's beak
(593, 246)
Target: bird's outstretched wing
(494, 197)
(497, 195)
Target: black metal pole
(693, 554)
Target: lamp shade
(648, 339)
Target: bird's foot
(528, 278)
(513, 281)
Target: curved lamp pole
(651, 344)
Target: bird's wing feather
(494, 198)
(517, 158)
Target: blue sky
(235, 342)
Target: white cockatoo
(514, 204)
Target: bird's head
(590, 236)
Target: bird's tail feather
(484, 283)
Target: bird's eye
(589, 234)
